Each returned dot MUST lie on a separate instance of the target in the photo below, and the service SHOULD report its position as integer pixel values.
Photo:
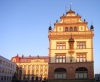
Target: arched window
(81, 73)
(60, 73)
(66, 29)
(71, 29)
(75, 28)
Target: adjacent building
(7, 69)
(71, 49)
(31, 67)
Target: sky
(24, 25)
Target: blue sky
(24, 25)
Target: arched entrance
(81, 73)
(60, 73)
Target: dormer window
(71, 29)
(66, 29)
(75, 28)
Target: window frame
(81, 57)
(60, 58)
(81, 44)
(60, 45)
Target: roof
(70, 11)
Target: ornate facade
(29, 68)
(70, 53)
(71, 48)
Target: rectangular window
(24, 66)
(37, 67)
(0, 61)
(28, 71)
(29, 66)
(32, 71)
(81, 45)
(33, 66)
(81, 57)
(60, 45)
(0, 69)
(60, 58)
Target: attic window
(71, 29)
(75, 28)
(66, 29)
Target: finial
(17, 54)
(91, 27)
(91, 22)
(84, 20)
(65, 9)
(71, 35)
(70, 5)
(38, 56)
(56, 21)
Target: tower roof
(70, 11)
(71, 39)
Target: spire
(70, 5)
(70, 11)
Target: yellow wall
(35, 63)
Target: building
(97, 77)
(71, 49)
(31, 67)
(7, 69)
(70, 53)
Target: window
(75, 28)
(24, 66)
(3, 62)
(46, 66)
(71, 29)
(81, 57)
(41, 72)
(81, 73)
(37, 67)
(29, 66)
(60, 58)
(41, 66)
(66, 29)
(60, 45)
(81, 45)
(37, 72)
(33, 66)
(0, 70)
(28, 71)
(60, 73)
(0, 61)
(32, 71)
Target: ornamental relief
(67, 37)
(71, 21)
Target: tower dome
(50, 28)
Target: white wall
(7, 69)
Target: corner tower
(71, 49)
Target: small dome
(71, 40)
(91, 27)
(70, 11)
(50, 28)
